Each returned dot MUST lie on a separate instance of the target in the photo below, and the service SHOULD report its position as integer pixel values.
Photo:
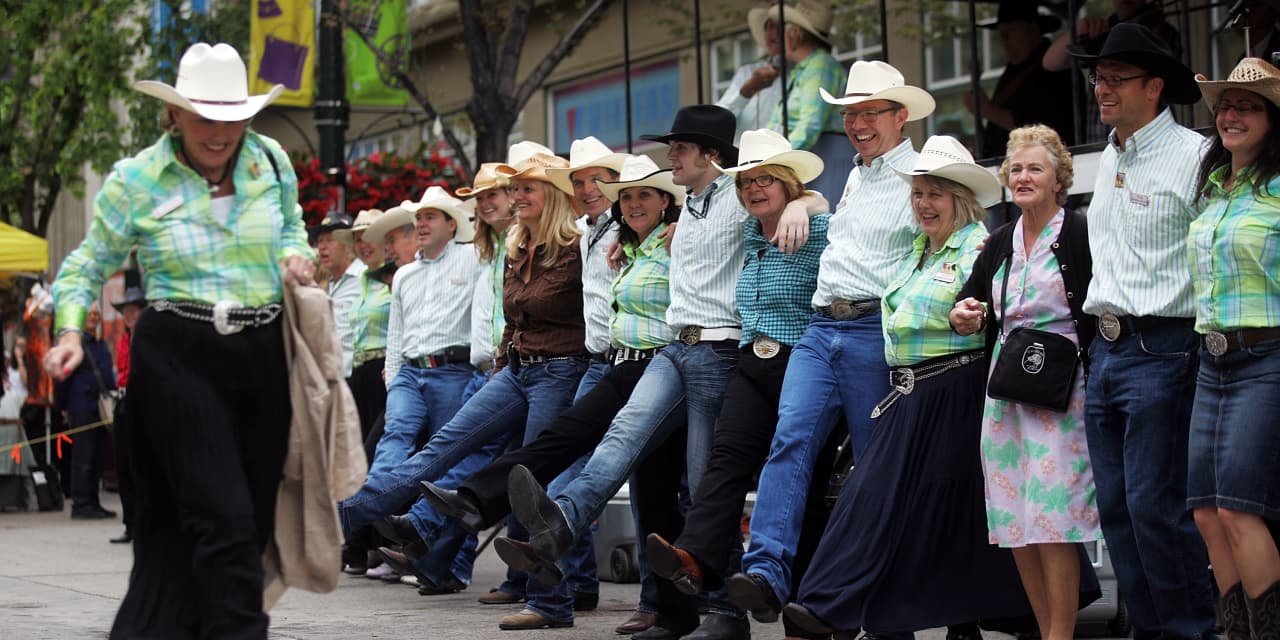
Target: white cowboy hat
(535, 167)
(945, 157)
(583, 153)
(392, 218)
(876, 80)
(363, 220)
(439, 199)
(213, 83)
(486, 178)
(760, 147)
(521, 151)
(1250, 74)
(814, 17)
(640, 171)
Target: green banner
(370, 81)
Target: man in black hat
(1026, 93)
(1142, 373)
(344, 272)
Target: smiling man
(1142, 373)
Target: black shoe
(124, 538)
(657, 632)
(639, 621)
(968, 631)
(521, 557)
(585, 601)
(718, 626)
(91, 513)
(400, 530)
(450, 584)
(802, 617)
(548, 529)
(752, 592)
(400, 563)
(454, 505)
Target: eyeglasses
(1113, 81)
(1241, 108)
(763, 181)
(867, 115)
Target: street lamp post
(331, 109)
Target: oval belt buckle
(906, 382)
(1109, 326)
(222, 318)
(1215, 343)
(765, 347)
(691, 335)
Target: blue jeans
(510, 403)
(579, 565)
(417, 399)
(836, 369)
(1137, 411)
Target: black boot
(1264, 614)
(1235, 614)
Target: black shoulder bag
(1035, 367)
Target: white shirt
(431, 306)
(1139, 219)
(871, 231)
(706, 258)
(597, 278)
(344, 292)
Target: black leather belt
(1218, 343)
(1112, 326)
(451, 355)
(627, 354)
(841, 309)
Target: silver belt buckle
(222, 318)
(1215, 343)
(906, 382)
(691, 335)
(1109, 326)
(765, 347)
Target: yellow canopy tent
(21, 251)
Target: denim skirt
(1234, 448)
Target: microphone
(1238, 9)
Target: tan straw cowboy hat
(212, 82)
(813, 16)
(876, 80)
(392, 218)
(1251, 74)
(535, 168)
(640, 171)
(760, 147)
(486, 178)
(945, 157)
(363, 220)
(440, 200)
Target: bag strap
(102, 388)
(1004, 292)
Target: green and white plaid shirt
(918, 300)
(641, 293)
(370, 314)
(1234, 252)
(162, 207)
(808, 115)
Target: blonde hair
(556, 229)
(792, 188)
(486, 237)
(1059, 157)
(967, 208)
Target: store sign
(597, 107)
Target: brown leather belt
(1218, 343)
(841, 309)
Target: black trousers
(208, 440)
(370, 394)
(744, 430)
(88, 457)
(124, 476)
(573, 434)
(655, 494)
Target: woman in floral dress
(1039, 483)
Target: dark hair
(1264, 168)
(626, 236)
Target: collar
(1145, 134)
(753, 236)
(447, 248)
(901, 156)
(722, 182)
(652, 242)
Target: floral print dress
(1039, 482)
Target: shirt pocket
(1156, 222)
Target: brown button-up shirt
(543, 305)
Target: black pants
(208, 440)
(744, 430)
(88, 457)
(370, 394)
(124, 476)
(655, 494)
(573, 434)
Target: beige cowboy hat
(535, 168)
(212, 82)
(521, 151)
(363, 220)
(486, 178)
(811, 15)
(760, 147)
(945, 157)
(1250, 74)
(876, 80)
(583, 153)
(640, 171)
(440, 200)
(392, 218)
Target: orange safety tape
(57, 437)
(16, 454)
(61, 438)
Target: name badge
(1139, 199)
(946, 274)
(167, 207)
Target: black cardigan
(1076, 263)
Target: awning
(22, 252)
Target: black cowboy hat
(705, 124)
(332, 221)
(1023, 11)
(1139, 46)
